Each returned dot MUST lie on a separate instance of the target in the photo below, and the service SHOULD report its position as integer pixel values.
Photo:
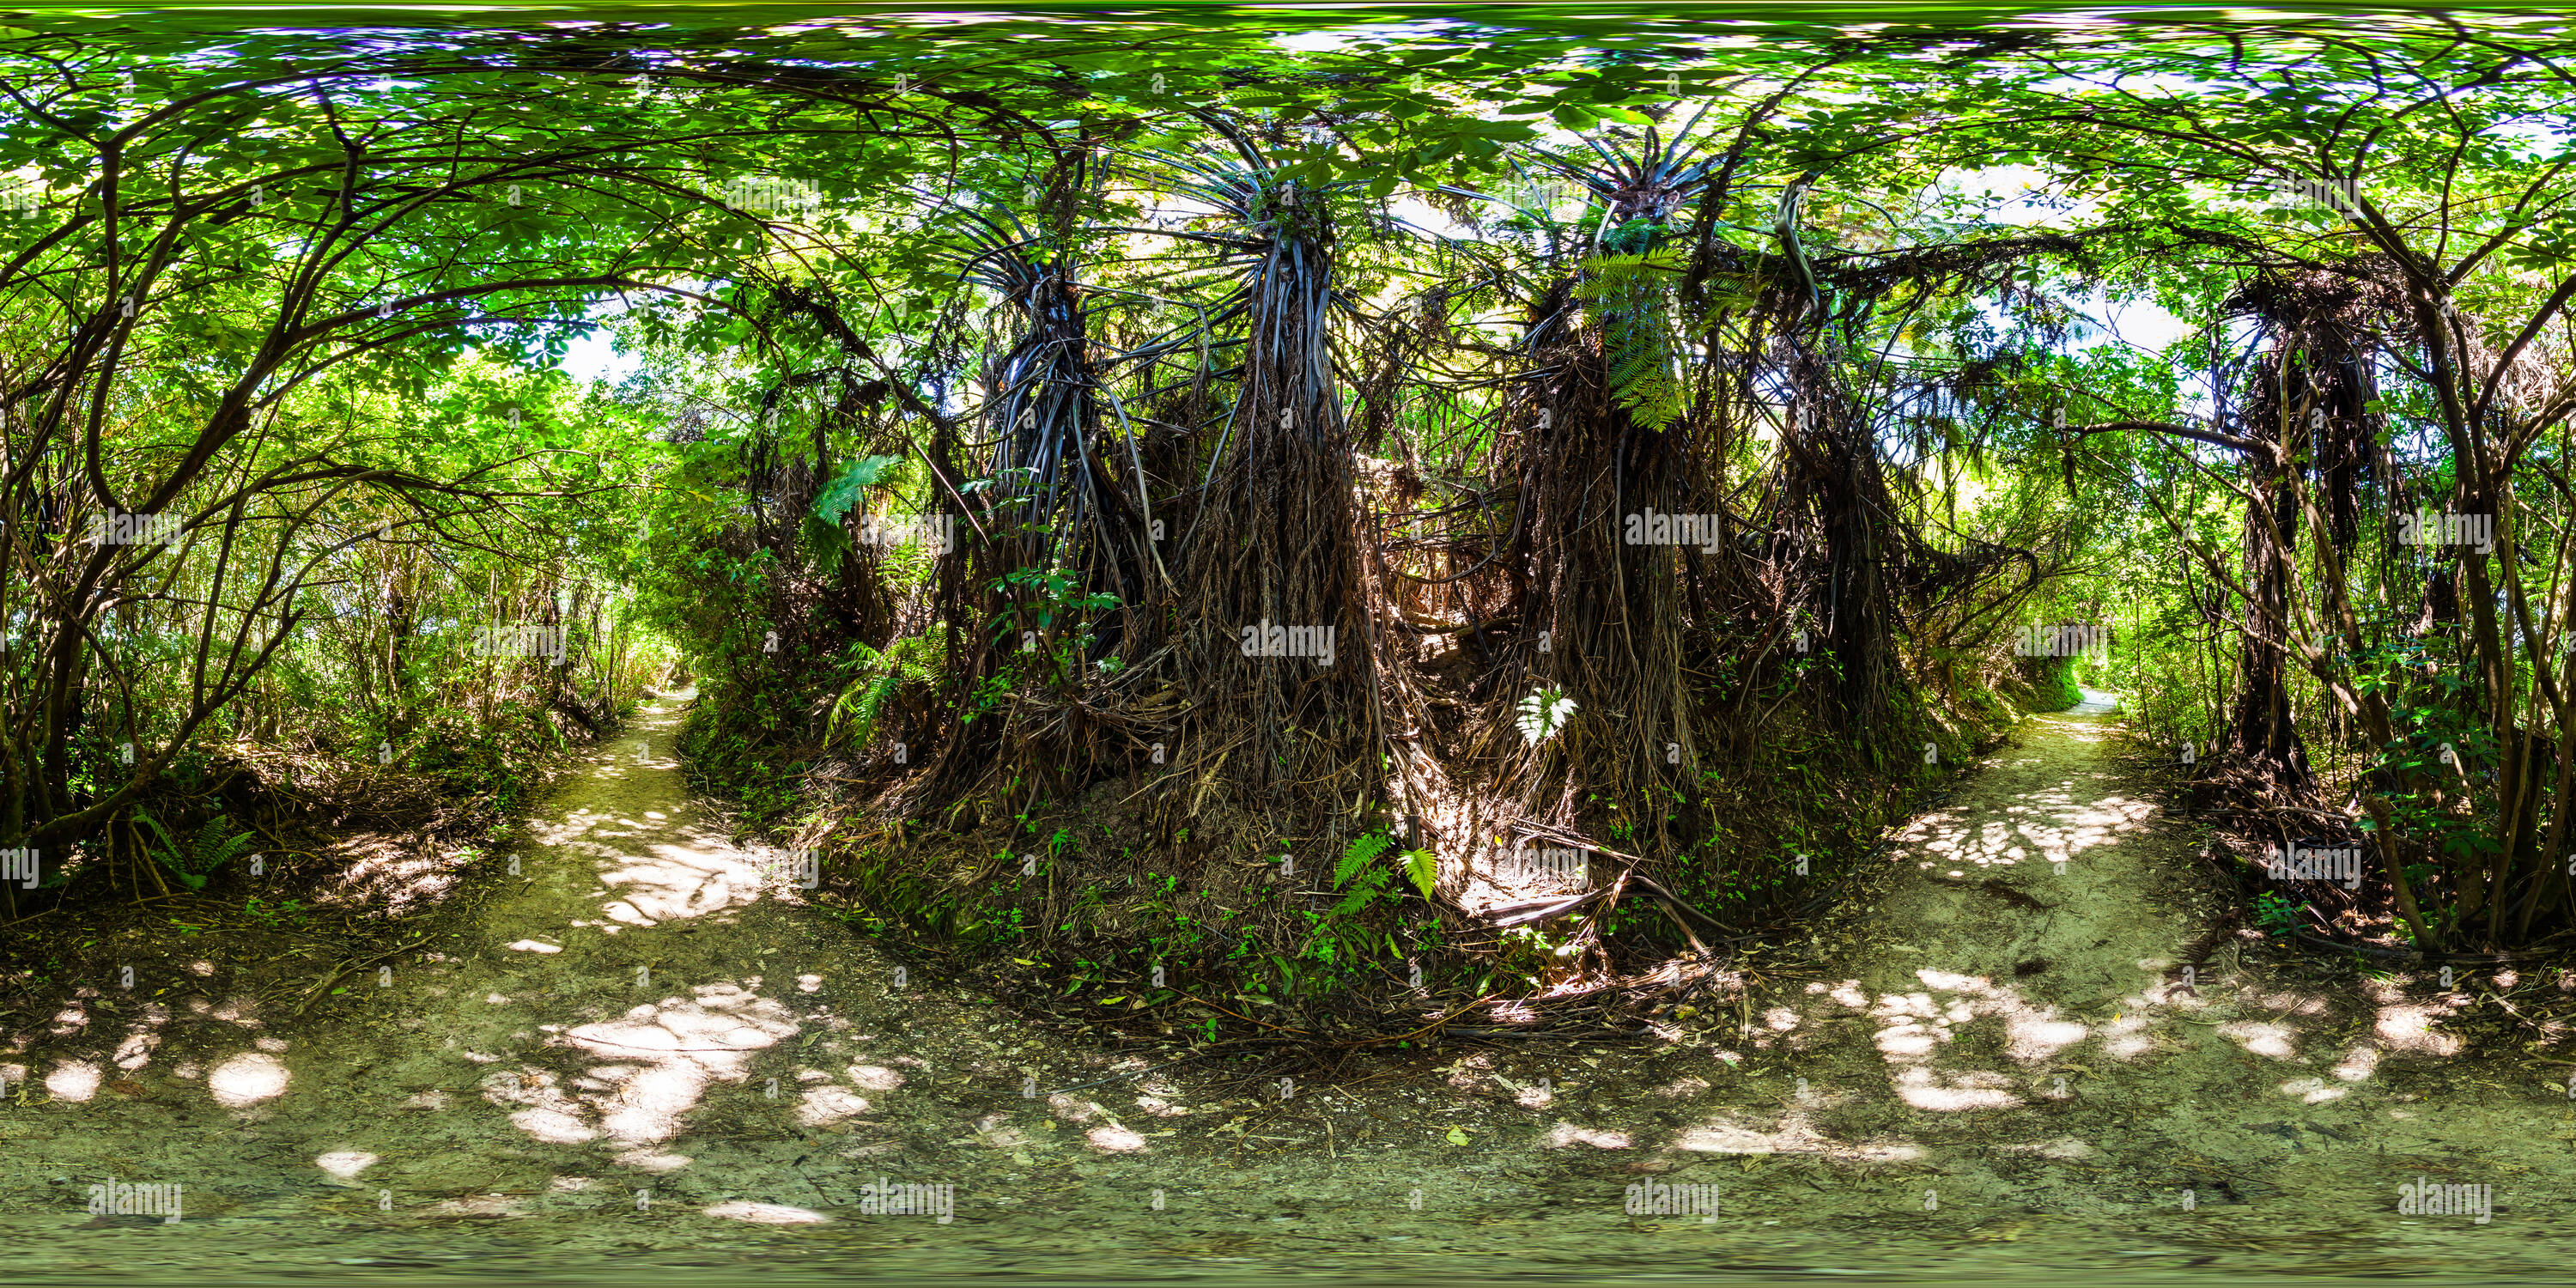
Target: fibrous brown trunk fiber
(1277, 653)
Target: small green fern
(880, 677)
(1371, 881)
(1423, 868)
(1544, 713)
(1357, 855)
(208, 850)
(1366, 881)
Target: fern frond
(1630, 297)
(1543, 713)
(880, 676)
(1357, 855)
(1423, 867)
(213, 848)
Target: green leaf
(1358, 854)
(823, 522)
(841, 493)
(1423, 868)
(1543, 713)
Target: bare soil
(644, 1052)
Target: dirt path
(2008, 1076)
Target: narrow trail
(642, 1042)
(2006, 1075)
(2061, 1040)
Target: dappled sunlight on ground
(248, 1079)
(1950, 1092)
(2060, 1149)
(872, 1077)
(648, 1160)
(1915, 1027)
(2034, 1034)
(1565, 1134)
(392, 872)
(656, 1063)
(766, 1213)
(2128, 1037)
(2408, 1026)
(2358, 1063)
(1115, 1139)
(2313, 1091)
(824, 1106)
(547, 1112)
(2025, 865)
(142, 1037)
(2044, 972)
(1795, 1133)
(2050, 828)
(647, 1069)
(73, 1080)
(2269, 1040)
(637, 1034)
(679, 881)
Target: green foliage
(1357, 854)
(194, 862)
(392, 376)
(1529, 953)
(822, 527)
(2276, 915)
(1055, 595)
(1372, 880)
(1631, 299)
(280, 913)
(1422, 867)
(876, 679)
(2054, 688)
(1543, 714)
